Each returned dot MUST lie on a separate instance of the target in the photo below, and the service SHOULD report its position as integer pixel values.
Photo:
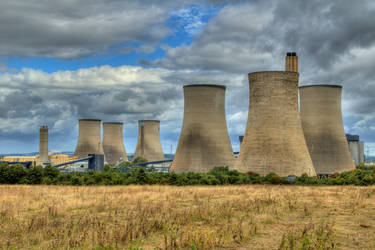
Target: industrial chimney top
(206, 85)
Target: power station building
(113, 142)
(357, 148)
(43, 146)
(148, 144)
(274, 139)
(89, 139)
(204, 141)
(320, 107)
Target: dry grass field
(204, 217)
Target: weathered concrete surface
(148, 144)
(274, 140)
(113, 142)
(89, 140)
(323, 128)
(204, 141)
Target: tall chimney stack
(291, 62)
(43, 145)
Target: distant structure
(320, 107)
(113, 142)
(274, 140)
(89, 139)
(149, 145)
(204, 141)
(43, 145)
(291, 62)
(357, 148)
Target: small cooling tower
(148, 145)
(274, 140)
(320, 107)
(89, 141)
(113, 142)
(43, 145)
(204, 141)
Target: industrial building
(113, 142)
(357, 148)
(274, 140)
(148, 144)
(204, 141)
(320, 108)
(89, 139)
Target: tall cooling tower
(43, 145)
(204, 141)
(113, 142)
(89, 141)
(148, 145)
(323, 128)
(274, 140)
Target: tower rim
(205, 85)
(322, 85)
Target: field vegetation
(189, 217)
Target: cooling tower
(89, 141)
(291, 62)
(113, 142)
(43, 145)
(274, 140)
(320, 107)
(204, 141)
(148, 145)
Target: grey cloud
(70, 29)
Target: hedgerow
(17, 174)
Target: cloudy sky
(119, 60)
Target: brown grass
(165, 217)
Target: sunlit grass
(199, 217)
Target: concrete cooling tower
(148, 145)
(89, 141)
(204, 141)
(113, 142)
(320, 107)
(43, 145)
(274, 140)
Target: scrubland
(189, 217)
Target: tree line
(17, 174)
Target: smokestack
(291, 62)
(43, 145)
(323, 128)
(204, 141)
(89, 141)
(148, 145)
(274, 140)
(113, 142)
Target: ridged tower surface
(148, 144)
(274, 140)
(204, 141)
(43, 145)
(320, 107)
(113, 142)
(89, 140)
